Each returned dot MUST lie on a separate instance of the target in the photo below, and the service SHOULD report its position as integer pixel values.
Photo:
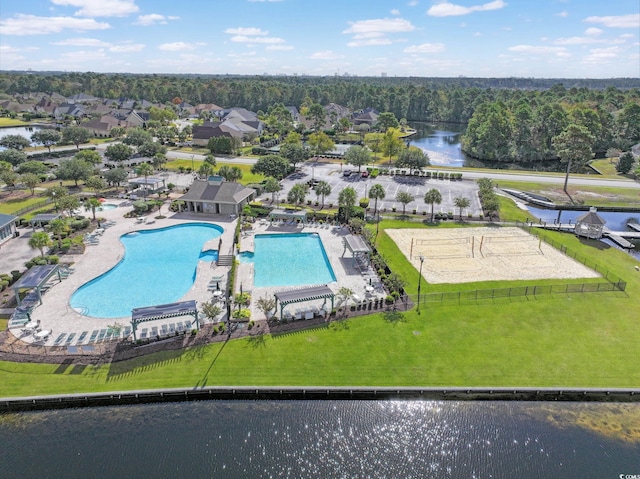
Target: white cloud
(374, 32)
(413, 3)
(383, 25)
(563, 14)
(83, 56)
(602, 55)
(540, 50)
(82, 42)
(100, 8)
(370, 42)
(622, 21)
(326, 55)
(177, 46)
(279, 47)
(22, 24)
(154, 18)
(254, 40)
(395, 11)
(127, 48)
(447, 9)
(425, 48)
(261, 1)
(592, 31)
(246, 31)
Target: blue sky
(485, 38)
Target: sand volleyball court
(463, 255)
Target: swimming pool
(289, 260)
(107, 207)
(159, 267)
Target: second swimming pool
(289, 260)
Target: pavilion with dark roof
(215, 196)
(590, 225)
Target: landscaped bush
(241, 314)
(256, 186)
(364, 202)
(79, 224)
(258, 150)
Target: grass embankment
(579, 340)
(9, 122)
(247, 176)
(588, 195)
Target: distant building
(7, 227)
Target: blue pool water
(159, 267)
(289, 260)
(107, 207)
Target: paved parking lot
(333, 174)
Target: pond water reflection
(298, 439)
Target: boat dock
(621, 238)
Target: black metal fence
(31, 207)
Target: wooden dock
(634, 226)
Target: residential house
(367, 116)
(69, 109)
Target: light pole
(192, 167)
(420, 283)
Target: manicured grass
(9, 205)
(12, 122)
(589, 195)
(247, 176)
(577, 340)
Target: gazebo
(163, 311)
(34, 279)
(590, 225)
(301, 295)
(43, 219)
(359, 249)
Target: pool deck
(347, 275)
(56, 313)
(66, 324)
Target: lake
(25, 131)
(318, 439)
(442, 143)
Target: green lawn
(566, 340)
(11, 122)
(247, 176)
(578, 340)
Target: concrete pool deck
(57, 315)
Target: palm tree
(376, 193)
(145, 169)
(346, 199)
(433, 196)
(461, 202)
(91, 205)
(40, 240)
(297, 194)
(322, 189)
(404, 197)
(59, 227)
(344, 294)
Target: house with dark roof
(69, 109)
(7, 227)
(214, 196)
(368, 116)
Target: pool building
(214, 196)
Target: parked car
(365, 174)
(346, 173)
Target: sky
(425, 38)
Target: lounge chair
(82, 337)
(59, 339)
(94, 335)
(69, 339)
(103, 333)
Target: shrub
(389, 299)
(241, 314)
(53, 259)
(258, 150)
(256, 186)
(79, 224)
(364, 202)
